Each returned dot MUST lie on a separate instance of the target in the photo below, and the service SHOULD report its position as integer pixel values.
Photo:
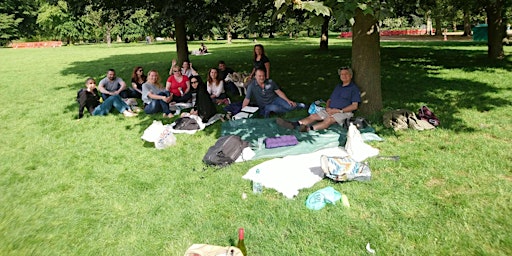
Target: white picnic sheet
(289, 174)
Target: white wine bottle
(241, 244)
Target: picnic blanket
(255, 130)
(289, 174)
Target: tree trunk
(495, 29)
(439, 27)
(324, 38)
(366, 61)
(467, 24)
(181, 39)
(109, 38)
(229, 35)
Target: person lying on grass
(268, 96)
(89, 98)
(343, 101)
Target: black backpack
(186, 123)
(225, 151)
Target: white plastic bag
(166, 139)
(355, 146)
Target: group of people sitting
(184, 85)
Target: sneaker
(129, 114)
(136, 109)
(301, 105)
(285, 124)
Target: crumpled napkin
(318, 199)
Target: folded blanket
(281, 141)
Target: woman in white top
(215, 87)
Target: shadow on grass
(410, 74)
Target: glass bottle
(241, 244)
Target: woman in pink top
(178, 85)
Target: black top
(223, 74)
(260, 64)
(89, 100)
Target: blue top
(343, 96)
(263, 96)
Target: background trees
(128, 20)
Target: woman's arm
(267, 68)
(134, 86)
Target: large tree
(364, 16)
(496, 28)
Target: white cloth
(289, 174)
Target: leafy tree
(57, 22)
(17, 19)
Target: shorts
(339, 117)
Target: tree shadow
(306, 73)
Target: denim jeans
(112, 101)
(279, 105)
(156, 106)
(124, 94)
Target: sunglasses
(194, 82)
(140, 70)
(175, 71)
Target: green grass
(92, 187)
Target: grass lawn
(93, 187)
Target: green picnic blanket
(255, 130)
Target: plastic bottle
(257, 188)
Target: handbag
(212, 250)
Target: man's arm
(101, 88)
(283, 96)
(122, 86)
(245, 103)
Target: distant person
(343, 101)
(148, 39)
(156, 99)
(268, 96)
(88, 99)
(203, 49)
(178, 85)
(260, 61)
(138, 78)
(223, 70)
(215, 87)
(112, 85)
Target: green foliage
(93, 187)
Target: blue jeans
(156, 106)
(112, 101)
(124, 94)
(277, 106)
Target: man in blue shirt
(268, 96)
(343, 101)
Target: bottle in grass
(241, 244)
(257, 188)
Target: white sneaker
(129, 114)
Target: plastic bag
(166, 139)
(355, 146)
